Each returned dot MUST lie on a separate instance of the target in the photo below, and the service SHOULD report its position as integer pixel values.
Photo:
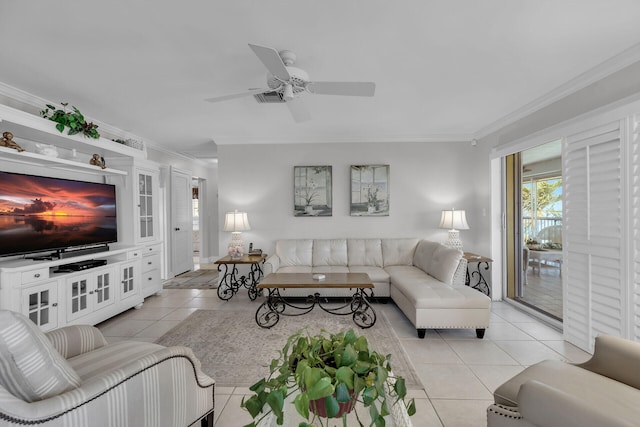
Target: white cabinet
(151, 259)
(89, 292)
(36, 288)
(40, 304)
(139, 217)
(147, 226)
(129, 279)
(53, 299)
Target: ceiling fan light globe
(288, 92)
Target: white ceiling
(444, 69)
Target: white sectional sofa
(425, 279)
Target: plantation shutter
(595, 289)
(634, 209)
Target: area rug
(236, 352)
(199, 279)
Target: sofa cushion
(294, 252)
(425, 291)
(329, 252)
(330, 269)
(398, 251)
(424, 252)
(592, 388)
(30, 367)
(444, 263)
(365, 252)
(295, 269)
(377, 274)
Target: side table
(475, 264)
(231, 282)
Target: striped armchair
(90, 382)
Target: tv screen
(39, 214)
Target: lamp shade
(236, 221)
(454, 220)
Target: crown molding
(340, 139)
(610, 66)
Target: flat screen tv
(39, 214)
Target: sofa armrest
(543, 405)
(615, 358)
(73, 340)
(271, 264)
(460, 275)
(170, 380)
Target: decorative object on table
(7, 141)
(329, 373)
(533, 244)
(47, 150)
(134, 143)
(454, 220)
(312, 191)
(96, 160)
(236, 222)
(74, 120)
(369, 190)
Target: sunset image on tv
(41, 213)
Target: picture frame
(312, 191)
(369, 190)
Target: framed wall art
(369, 190)
(312, 191)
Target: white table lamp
(454, 220)
(236, 222)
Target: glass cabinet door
(145, 205)
(40, 305)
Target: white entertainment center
(52, 296)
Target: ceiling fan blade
(298, 110)
(271, 59)
(342, 88)
(238, 95)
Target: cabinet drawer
(151, 279)
(150, 262)
(35, 275)
(152, 249)
(134, 254)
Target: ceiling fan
(289, 82)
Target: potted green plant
(328, 371)
(74, 120)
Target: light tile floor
(459, 372)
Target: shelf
(55, 162)
(30, 127)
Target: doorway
(536, 231)
(196, 194)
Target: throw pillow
(444, 263)
(30, 367)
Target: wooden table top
(471, 257)
(244, 259)
(305, 280)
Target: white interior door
(181, 222)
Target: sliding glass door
(534, 228)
